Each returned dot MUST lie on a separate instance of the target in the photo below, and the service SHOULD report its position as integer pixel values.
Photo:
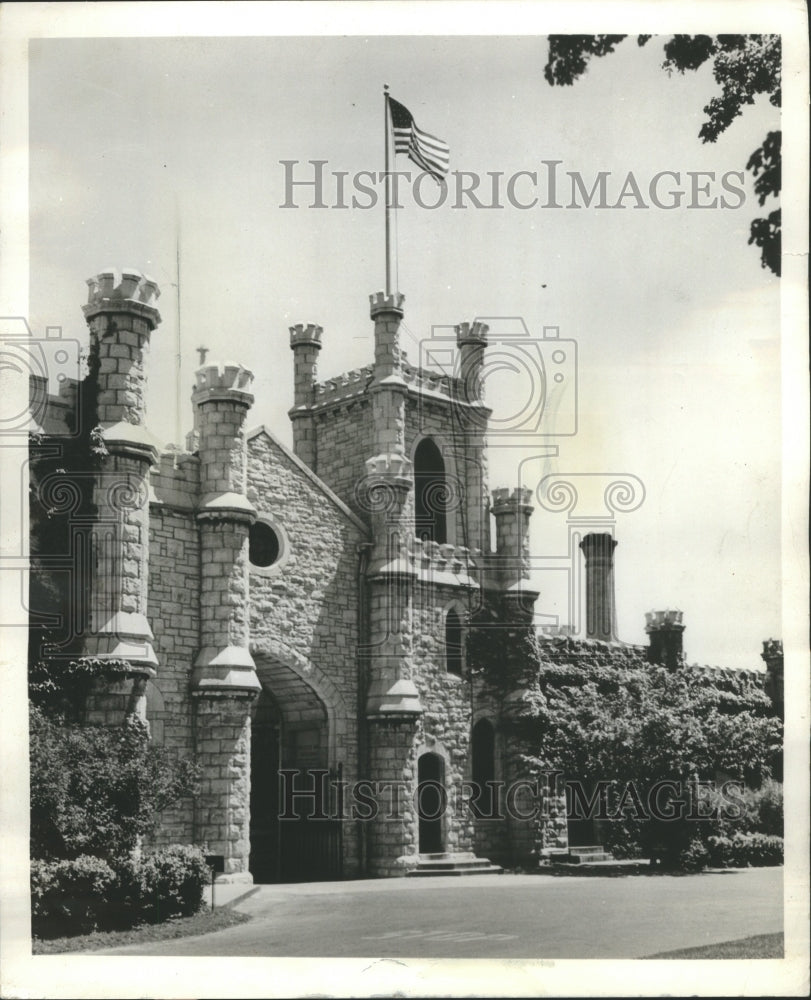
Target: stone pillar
(772, 656)
(121, 316)
(224, 681)
(473, 415)
(512, 511)
(601, 616)
(305, 342)
(665, 631)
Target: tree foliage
(646, 724)
(744, 66)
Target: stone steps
(453, 864)
(587, 855)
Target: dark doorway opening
(296, 827)
(265, 763)
(484, 767)
(431, 802)
(582, 827)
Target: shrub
(694, 857)
(744, 850)
(97, 790)
(69, 897)
(174, 880)
(87, 893)
(762, 810)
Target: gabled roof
(308, 472)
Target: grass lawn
(760, 946)
(201, 923)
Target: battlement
(125, 288)
(472, 333)
(507, 499)
(226, 380)
(306, 335)
(434, 560)
(342, 387)
(380, 302)
(772, 649)
(668, 619)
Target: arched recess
(431, 493)
(295, 832)
(432, 803)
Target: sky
(145, 150)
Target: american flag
(425, 150)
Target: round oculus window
(264, 546)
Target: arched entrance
(295, 828)
(431, 803)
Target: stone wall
(174, 605)
(446, 699)
(304, 609)
(344, 440)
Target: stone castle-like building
(304, 611)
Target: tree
(743, 66)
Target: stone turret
(601, 615)
(305, 342)
(387, 312)
(471, 339)
(512, 511)
(222, 397)
(121, 315)
(224, 681)
(472, 417)
(772, 656)
(665, 631)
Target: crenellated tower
(305, 342)
(665, 633)
(224, 681)
(121, 315)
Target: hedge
(88, 893)
(745, 850)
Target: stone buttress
(224, 681)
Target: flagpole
(388, 186)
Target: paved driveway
(496, 916)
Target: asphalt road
(495, 916)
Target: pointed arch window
(453, 643)
(430, 493)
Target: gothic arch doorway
(295, 829)
(431, 803)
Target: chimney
(601, 615)
(665, 631)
